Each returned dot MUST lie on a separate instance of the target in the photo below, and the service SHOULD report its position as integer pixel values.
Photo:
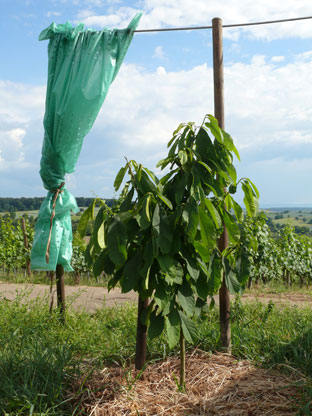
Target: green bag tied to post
(82, 65)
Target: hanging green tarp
(82, 65)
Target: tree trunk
(288, 279)
(182, 361)
(60, 291)
(140, 353)
(77, 278)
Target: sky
(166, 79)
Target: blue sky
(166, 79)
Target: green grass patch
(43, 279)
(278, 287)
(39, 356)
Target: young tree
(161, 239)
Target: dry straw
(216, 385)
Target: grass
(43, 279)
(278, 287)
(39, 357)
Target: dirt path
(82, 297)
(93, 298)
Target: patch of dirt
(215, 385)
(289, 298)
(92, 298)
(78, 297)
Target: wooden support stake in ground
(224, 295)
(26, 245)
(140, 352)
(60, 291)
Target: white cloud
(278, 58)
(159, 53)
(11, 148)
(170, 13)
(267, 107)
(161, 70)
(269, 103)
(21, 103)
(51, 14)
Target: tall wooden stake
(218, 77)
(60, 291)
(26, 245)
(140, 352)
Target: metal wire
(230, 25)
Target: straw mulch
(216, 385)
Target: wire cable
(268, 22)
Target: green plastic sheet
(82, 65)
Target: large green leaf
(230, 279)
(166, 262)
(156, 326)
(144, 183)
(232, 173)
(156, 219)
(191, 263)
(238, 211)
(215, 273)
(243, 266)
(205, 149)
(213, 125)
(179, 186)
(131, 272)
(84, 220)
(99, 264)
(186, 298)
(188, 328)
(214, 213)
(202, 287)
(127, 202)
(232, 227)
(163, 298)
(175, 275)
(183, 157)
(228, 141)
(190, 216)
(116, 242)
(172, 322)
(202, 250)
(165, 235)
(207, 228)
(119, 177)
(98, 228)
(165, 200)
(232, 283)
(250, 199)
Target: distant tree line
(275, 227)
(30, 204)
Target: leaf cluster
(161, 238)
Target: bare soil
(92, 298)
(79, 297)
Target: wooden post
(218, 77)
(26, 245)
(60, 291)
(182, 361)
(140, 352)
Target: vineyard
(16, 236)
(280, 256)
